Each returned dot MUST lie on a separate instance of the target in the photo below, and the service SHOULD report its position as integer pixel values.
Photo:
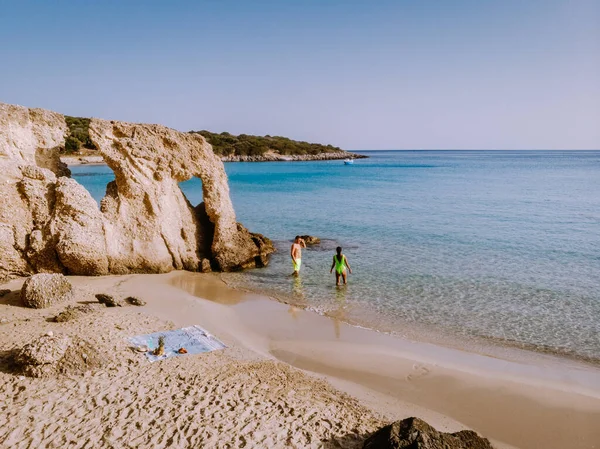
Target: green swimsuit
(340, 265)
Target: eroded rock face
(32, 137)
(44, 290)
(50, 223)
(29, 143)
(413, 433)
(150, 225)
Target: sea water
(499, 245)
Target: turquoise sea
(496, 245)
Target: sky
(379, 74)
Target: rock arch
(49, 222)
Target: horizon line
(478, 149)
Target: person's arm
(293, 254)
(347, 264)
(303, 243)
(332, 265)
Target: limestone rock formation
(150, 225)
(44, 290)
(32, 137)
(50, 223)
(413, 433)
(78, 228)
(51, 355)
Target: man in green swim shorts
(296, 253)
(340, 263)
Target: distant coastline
(80, 150)
(276, 157)
(94, 159)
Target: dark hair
(339, 250)
(297, 237)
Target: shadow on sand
(348, 441)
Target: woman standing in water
(340, 263)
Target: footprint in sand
(418, 372)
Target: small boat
(348, 161)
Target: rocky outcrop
(267, 157)
(310, 239)
(44, 290)
(276, 157)
(32, 137)
(50, 355)
(150, 225)
(50, 223)
(413, 433)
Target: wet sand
(524, 400)
(349, 381)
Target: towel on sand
(193, 339)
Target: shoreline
(557, 403)
(210, 286)
(481, 344)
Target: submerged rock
(50, 223)
(45, 289)
(413, 433)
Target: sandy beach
(289, 378)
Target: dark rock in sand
(72, 313)
(4, 292)
(135, 301)
(413, 433)
(108, 300)
(43, 290)
(311, 240)
(50, 355)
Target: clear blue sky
(397, 74)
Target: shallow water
(500, 245)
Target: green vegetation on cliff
(78, 136)
(226, 144)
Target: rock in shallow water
(44, 289)
(310, 239)
(413, 433)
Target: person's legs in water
(337, 278)
(344, 276)
(297, 264)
